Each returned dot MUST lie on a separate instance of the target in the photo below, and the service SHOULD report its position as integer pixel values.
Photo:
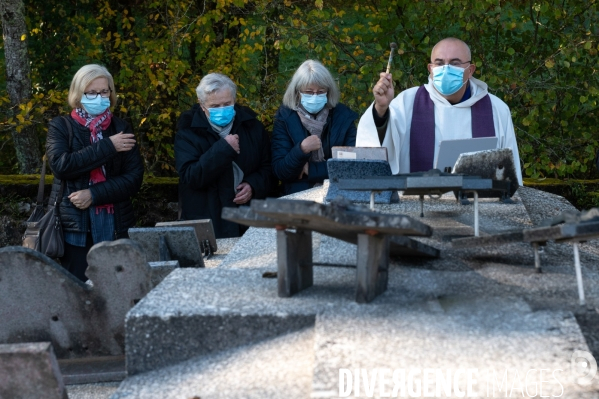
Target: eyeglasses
(91, 95)
(455, 63)
(313, 93)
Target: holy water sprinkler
(393, 47)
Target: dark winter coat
(288, 133)
(124, 173)
(204, 162)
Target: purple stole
(422, 130)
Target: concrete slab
(485, 338)
(30, 371)
(482, 308)
(274, 368)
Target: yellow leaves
(319, 4)
(23, 37)
(142, 121)
(550, 63)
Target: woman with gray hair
(308, 124)
(222, 155)
(93, 154)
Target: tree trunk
(18, 83)
(270, 58)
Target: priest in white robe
(460, 106)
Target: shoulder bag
(49, 239)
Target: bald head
(450, 49)
(454, 52)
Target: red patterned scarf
(95, 124)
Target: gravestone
(30, 371)
(490, 164)
(169, 243)
(203, 228)
(80, 320)
(357, 168)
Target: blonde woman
(95, 154)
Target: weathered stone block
(79, 319)
(179, 243)
(30, 371)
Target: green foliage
(539, 57)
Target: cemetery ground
(222, 331)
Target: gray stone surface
(159, 270)
(225, 245)
(30, 371)
(182, 244)
(274, 368)
(102, 390)
(161, 337)
(481, 307)
(487, 336)
(79, 319)
(542, 205)
(358, 168)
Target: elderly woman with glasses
(222, 154)
(308, 124)
(95, 155)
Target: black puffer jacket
(204, 162)
(124, 172)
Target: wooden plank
(330, 218)
(294, 261)
(372, 267)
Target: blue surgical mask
(314, 103)
(222, 116)
(448, 79)
(96, 106)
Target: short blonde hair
(310, 72)
(83, 77)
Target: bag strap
(40, 190)
(62, 183)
